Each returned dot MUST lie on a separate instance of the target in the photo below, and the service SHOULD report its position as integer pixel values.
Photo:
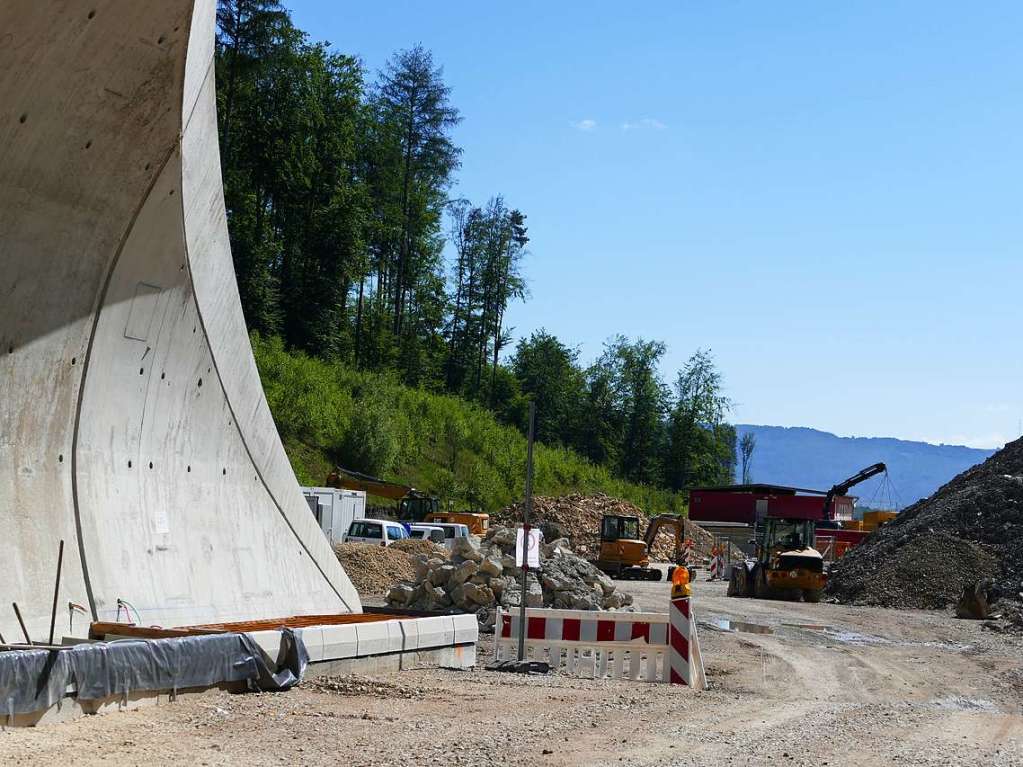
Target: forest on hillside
(351, 248)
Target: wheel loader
(623, 554)
(786, 565)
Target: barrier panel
(591, 644)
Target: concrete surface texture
(132, 420)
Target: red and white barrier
(590, 643)
(717, 568)
(619, 645)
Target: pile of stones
(481, 575)
(970, 530)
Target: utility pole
(526, 513)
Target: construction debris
(355, 686)
(372, 568)
(416, 546)
(577, 518)
(971, 529)
(482, 575)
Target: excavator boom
(353, 480)
(844, 486)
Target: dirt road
(840, 686)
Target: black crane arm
(843, 487)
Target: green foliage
(336, 185)
(701, 447)
(438, 443)
(549, 373)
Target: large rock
(481, 595)
(440, 575)
(464, 572)
(401, 594)
(503, 537)
(458, 598)
(436, 597)
(466, 549)
(491, 566)
(421, 565)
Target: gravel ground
(849, 686)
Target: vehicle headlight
(793, 573)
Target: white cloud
(586, 125)
(650, 123)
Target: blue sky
(827, 195)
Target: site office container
(335, 509)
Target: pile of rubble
(577, 519)
(373, 569)
(482, 575)
(970, 529)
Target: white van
(377, 531)
(434, 533)
(451, 530)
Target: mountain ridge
(802, 456)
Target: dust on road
(828, 685)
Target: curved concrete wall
(132, 420)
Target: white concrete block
(373, 638)
(339, 642)
(438, 631)
(466, 628)
(410, 634)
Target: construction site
(172, 595)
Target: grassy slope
(328, 414)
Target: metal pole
(56, 590)
(28, 639)
(526, 513)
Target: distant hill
(816, 459)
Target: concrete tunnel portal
(133, 423)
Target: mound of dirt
(415, 546)
(577, 518)
(969, 529)
(374, 568)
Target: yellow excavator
(413, 505)
(623, 554)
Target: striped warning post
(680, 624)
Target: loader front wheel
(812, 595)
(738, 583)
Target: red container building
(743, 504)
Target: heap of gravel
(971, 528)
(374, 568)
